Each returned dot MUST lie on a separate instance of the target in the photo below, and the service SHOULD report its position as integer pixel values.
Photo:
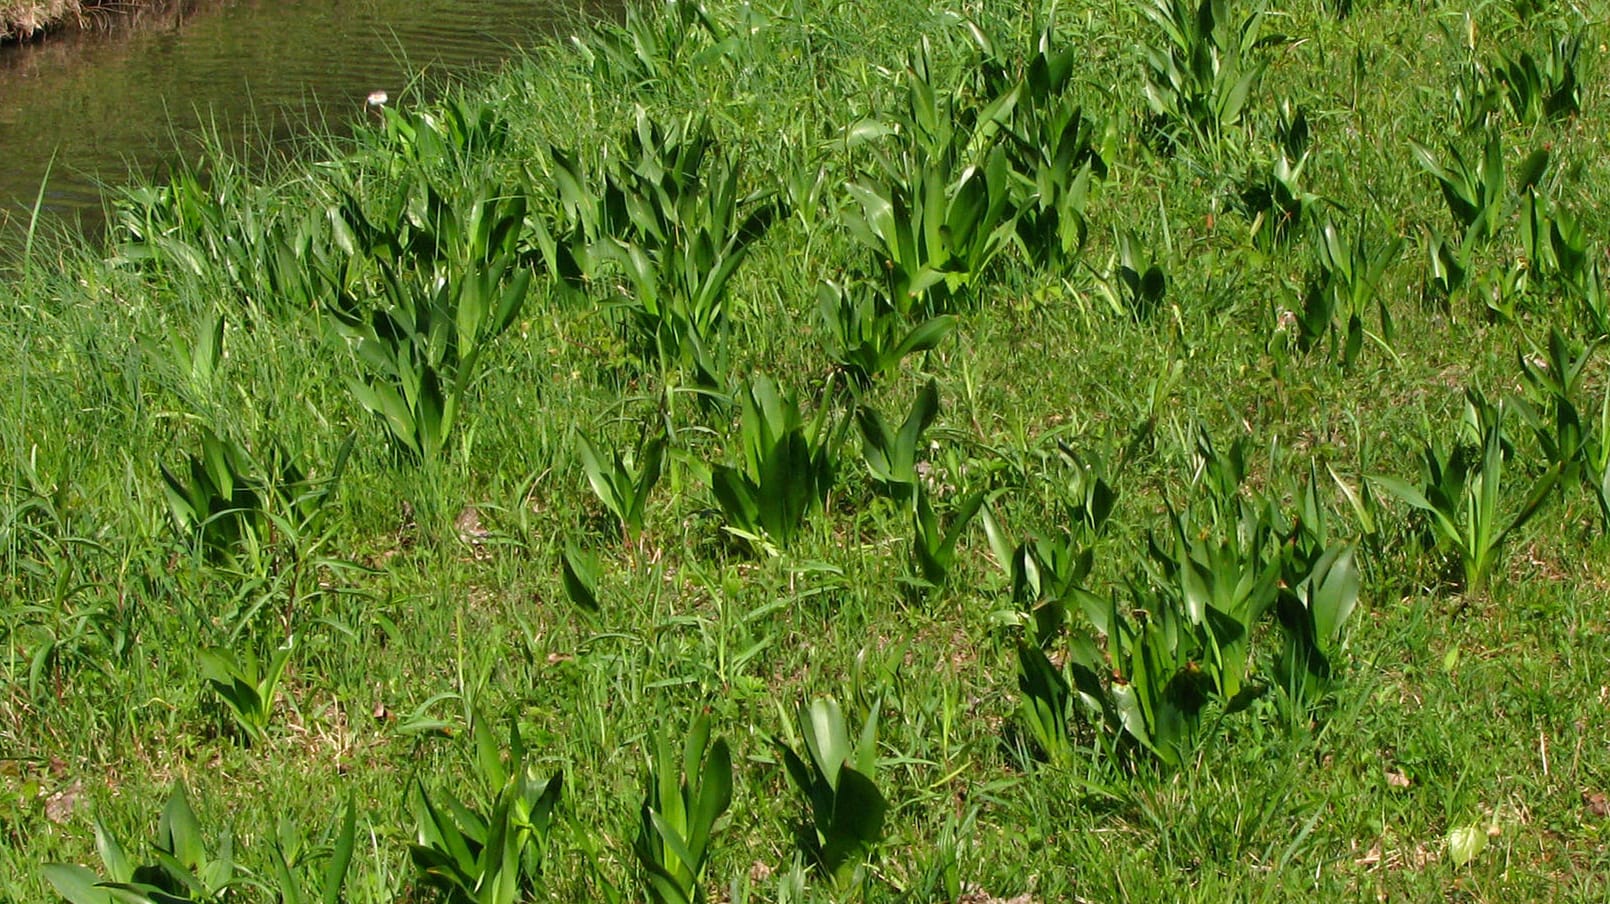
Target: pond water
(92, 106)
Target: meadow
(1146, 450)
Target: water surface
(108, 101)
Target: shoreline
(24, 21)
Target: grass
(427, 592)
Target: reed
(22, 20)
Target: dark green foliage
(623, 484)
(1135, 283)
(1460, 492)
(682, 801)
(1204, 71)
(784, 468)
(867, 336)
(933, 545)
(669, 217)
(182, 869)
(893, 456)
(940, 209)
(1184, 637)
(1344, 286)
(837, 777)
(1277, 202)
(1051, 141)
(247, 685)
(1543, 87)
(232, 505)
(422, 346)
(492, 856)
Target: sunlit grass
(1172, 396)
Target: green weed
(682, 801)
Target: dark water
(130, 96)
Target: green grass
(432, 589)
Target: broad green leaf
(179, 832)
(925, 336)
(857, 825)
(1465, 843)
(488, 755)
(77, 884)
(1337, 593)
(335, 872)
(599, 474)
(580, 577)
(1403, 490)
(922, 415)
(118, 867)
(826, 737)
(1532, 170)
(715, 795)
(673, 841)
(866, 748)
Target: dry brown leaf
(59, 807)
(980, 897)
(469, 525)
(1396, 779)
(382, 713)
(1597, 803)
(972, 894)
